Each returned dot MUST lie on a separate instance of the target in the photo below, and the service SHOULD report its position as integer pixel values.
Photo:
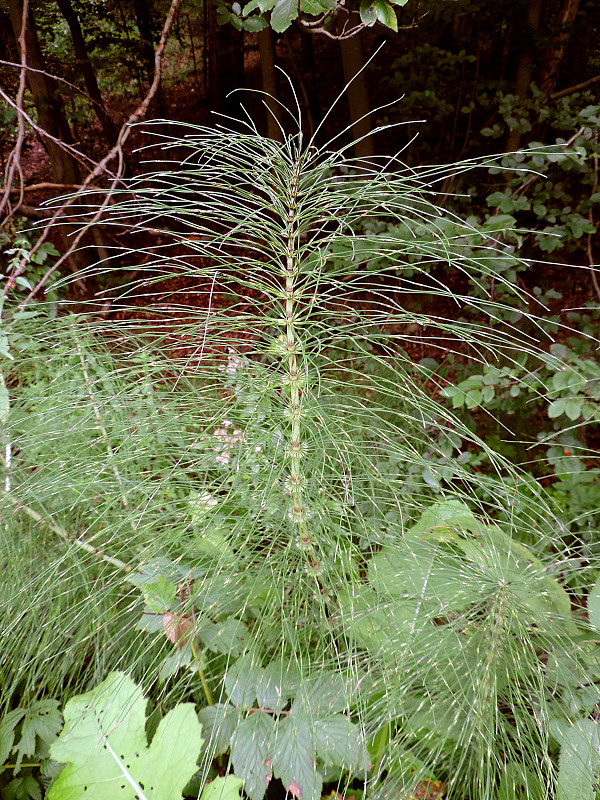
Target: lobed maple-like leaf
(104, 745)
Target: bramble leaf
(251, 753)
(294, 758)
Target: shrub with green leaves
(229, 489)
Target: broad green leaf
(385, 14)
(519, 783)
(294, 758)
(104, 745)
(578, 761)
(5, 347)
(448, 517)
(377, 625)
(412, 571)
(339, 743)
(556, 408)
(284, 13)
(573, 408)
(251, 750)
(255, 23)
(368, 13)
(227, 788)
(260, 5)
(26, 788)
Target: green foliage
(258, 500)
(104, 746)
(26, 735)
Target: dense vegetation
(299, 405)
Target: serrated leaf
(276, 686)
(294, 758)
(219, 722)
(229, 637)
(283, 14)
(42, 720)
(339, 743)
(103, 743)
(251, 750)
(26, 788)
(227, 788)
(159, 595)
(325, 695)
(385, 14)
(578, 761)
(241, 682)
(7, 732)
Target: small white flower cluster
(226, 441)
(234, 364)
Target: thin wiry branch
(14, 159)
(101, 167)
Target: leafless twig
(115, 152)
(14, 159)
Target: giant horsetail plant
(239, 487)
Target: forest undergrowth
(254, 544)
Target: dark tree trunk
(358, 97)
(525, 62)
(225, 66)
(47, 100)
(308, 65)
(87, 71)
(555, 55)
(266, 46)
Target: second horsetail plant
(236, 483)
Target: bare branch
(83, 544)
(48, 75)
(69, 148)
(577, 87)
(115, 152)
(14, 159)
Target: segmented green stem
(298, 509)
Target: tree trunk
(266, 47)
(358, 97)
(225, 66)
(87, 71)
(47, 100)
(525, 63)
(555, 54)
